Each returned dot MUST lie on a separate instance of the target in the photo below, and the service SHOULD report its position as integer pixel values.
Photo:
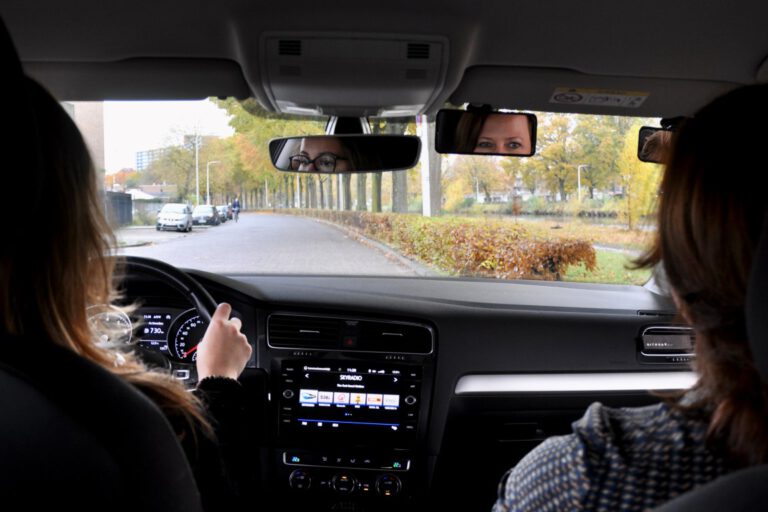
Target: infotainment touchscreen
(353, 398)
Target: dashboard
(393, 393)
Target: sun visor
(554, 90)
(141, 79)
(352, 75)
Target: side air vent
(418, 50)
(289, 47)
(297, 331)
(666, 344)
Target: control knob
(300, 480)
(388, 485)
(344, 483)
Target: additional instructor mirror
(653, 144)
(485, 133)
(331, 154)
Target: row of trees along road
(603, 147)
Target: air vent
(667, 344)
(289, 47)
(418, 50)
(291, 331)
(297, 331)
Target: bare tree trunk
(321, 186)
(346, 183)
(305, 184)
(400, 191)
(376, 192)
(362, 200)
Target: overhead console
(350, 403)
(327, 74)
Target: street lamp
(208, 180)
(578, 176)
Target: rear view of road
(270, 244)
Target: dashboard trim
(573, 382)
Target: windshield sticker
(598, 97)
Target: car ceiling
(508, 53)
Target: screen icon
(325, 397)
(357, 398)
(341, 398)
(308, 396)
(392, 400)
(374, 399)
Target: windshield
(580, 209)
(174, 208)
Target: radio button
(288, 394)
(300, 480)
(409, 400)
(344, 483)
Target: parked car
(176, 216)
(225, 212)
(206, 214)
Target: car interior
(477, 372)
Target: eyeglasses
(324, 162)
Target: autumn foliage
(467, 247)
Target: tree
(640, 181)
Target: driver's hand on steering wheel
(224, 350)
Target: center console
(350, 417)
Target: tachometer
(185, 334)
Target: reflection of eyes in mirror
(323, 154)
(485, 132)
(504, 134)
(345, 153)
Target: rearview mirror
(485, 133)
(653, 144)
(331, 154)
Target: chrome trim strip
(573, 382)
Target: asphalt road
(268, 244)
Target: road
(268, 244)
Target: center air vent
(297, 331)
(418, 50)
(290, 47)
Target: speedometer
(186, 333)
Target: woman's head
(57, 264)
(710, 217)
(322, 154)
(52, 267)
(494, 133)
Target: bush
(468, 247)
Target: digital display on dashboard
(343, 398)
(153, 325)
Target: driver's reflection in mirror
(322, 154)
(492, 133)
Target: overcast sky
(131, 126)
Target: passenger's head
(322, 154)
(657, 146)
(494, 133)
(711, 213)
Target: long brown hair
(709, 223)
(56, 265)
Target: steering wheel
(180, 281)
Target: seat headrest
(756, 306)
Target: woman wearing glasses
(323, 154)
